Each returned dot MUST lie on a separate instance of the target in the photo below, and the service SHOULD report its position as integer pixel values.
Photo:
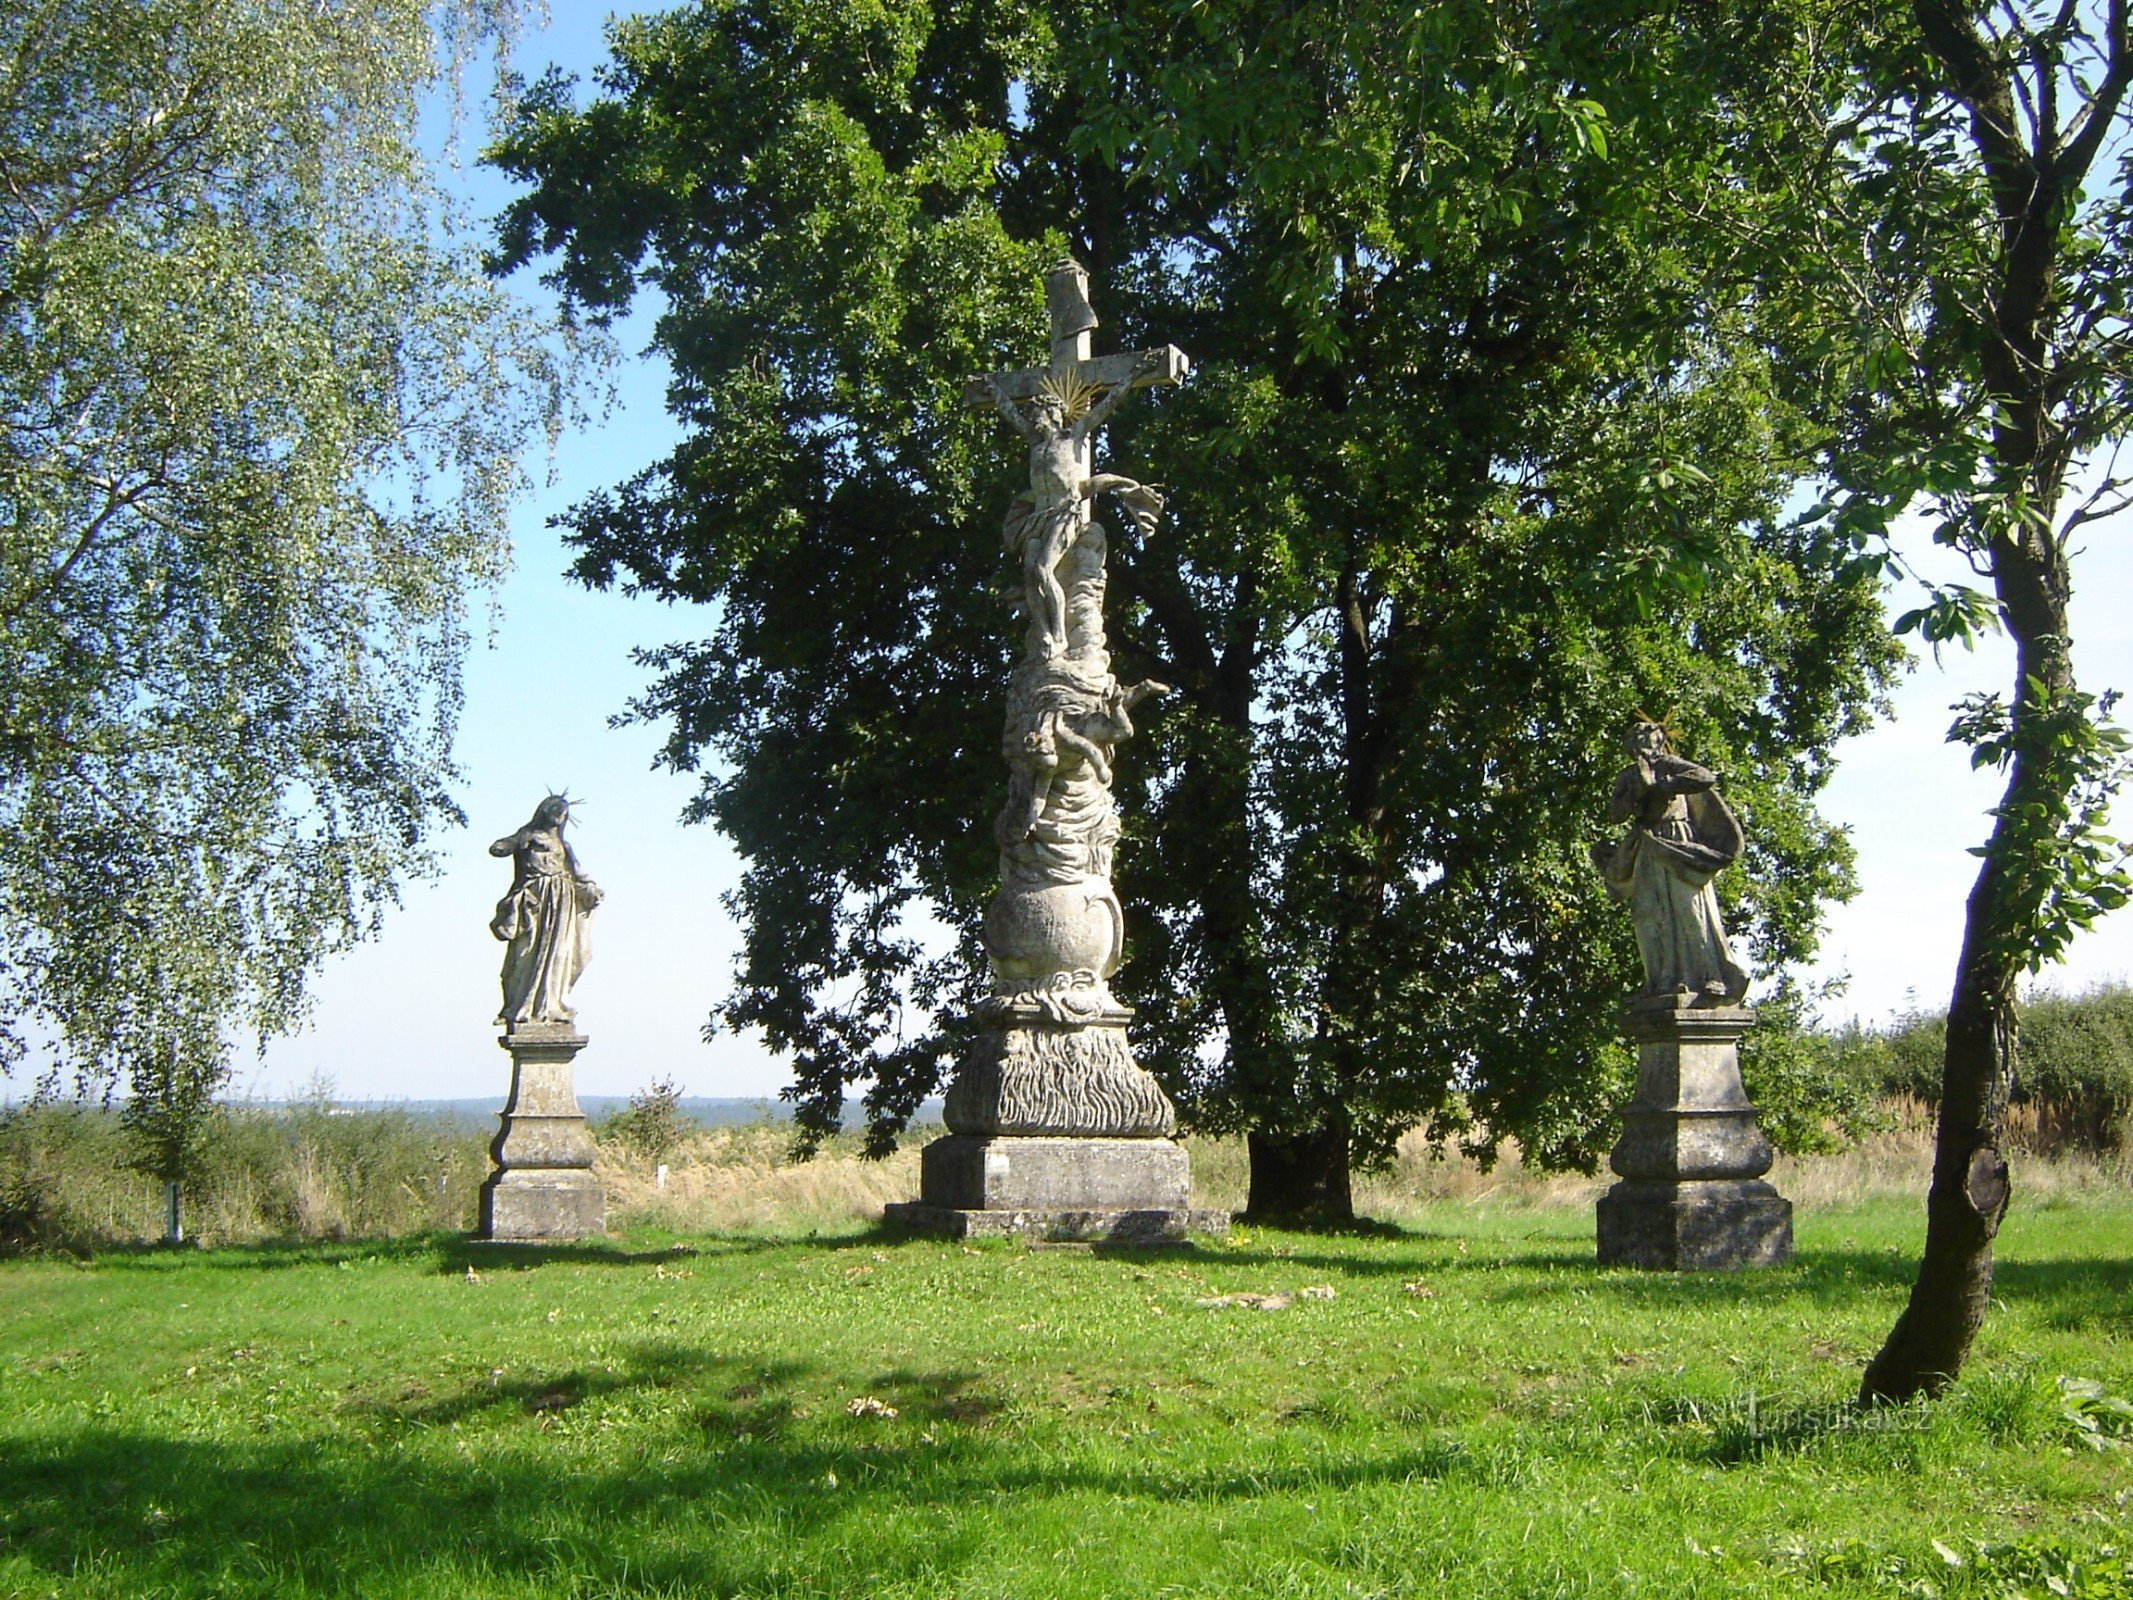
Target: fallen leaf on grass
(1421, 1291)
(1317, 1291)
(867, 1406)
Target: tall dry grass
(312, 1173)
(743, 1179)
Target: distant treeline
(2073, 1064)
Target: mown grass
(1475, 1409)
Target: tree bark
(1925, 1351)
(1301, 1177)
(2029, 453)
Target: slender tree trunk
(1925, 1350)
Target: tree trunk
(1301, 1177)
(1925, 1350)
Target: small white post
(662, 1176)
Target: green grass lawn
(1466, 1408)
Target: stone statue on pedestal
(542, 1186)
(1691, 1157)
(1055, 1129)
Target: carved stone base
(1013, 1174)
(542, 1186)
(1690, 1152)
(1720, 1224)
(1170, 1226)
(540, 1206)
(1036, 1078)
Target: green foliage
(1976, 239)
(652, 1124)
(2058, 870)
(1475, 1410)
(2073, 1063)
(308, 1171)
(1805, 1101)
(260, 417)
(168, 1113)
(2098, 1418)
(1481, 454)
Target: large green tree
(1481, 455)
(259, 420)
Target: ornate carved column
(1055, 1130)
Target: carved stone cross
(1057, 409)
(1054, 1128)
(1066, 297)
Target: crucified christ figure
(1045, 520)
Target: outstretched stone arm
(1147, 363)
(1004, 403)
(1143, 501)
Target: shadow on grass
(438, 1498)
(455, 1252)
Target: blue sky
(408, 1015)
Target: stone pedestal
(543, 1186)
(1691, 1157)
(1056, 1133)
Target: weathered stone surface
(542, 1186)
(1057, 1130)
(1145, 1226)
(1690, 1151)
(544, 920)
(1679, 834)
(1044, 1079)
(1720, 1225)
(542, 1205)
(1057, 1174)
(1690, 1117)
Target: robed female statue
(543, 921)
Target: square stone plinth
(1125, 1190)
(1720, 1225)
(536, 1205)
(1017, 1173)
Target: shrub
(308, 1171)
(653, 1123)
(1806, 1102)
(2073, 1064)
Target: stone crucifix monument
(542, 1186)
(1055, 1130)
(1691, 1157)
